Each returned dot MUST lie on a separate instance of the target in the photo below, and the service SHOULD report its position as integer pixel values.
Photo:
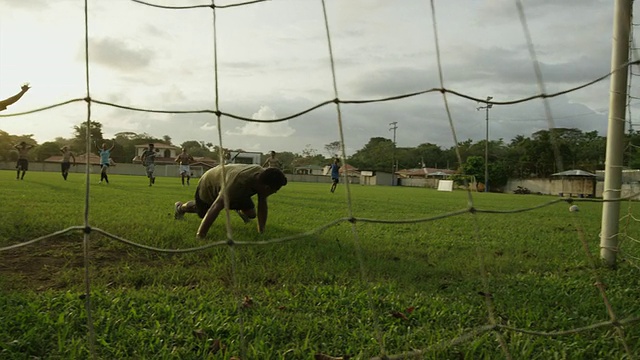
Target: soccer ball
(574, 208)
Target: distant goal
(445, 185)
(174, 170)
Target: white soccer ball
(574, 208)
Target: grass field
(352, 291)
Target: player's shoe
(244, 217)
(178, 214)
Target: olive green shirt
(240, 181)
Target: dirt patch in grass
(55, 263)
(58, 264)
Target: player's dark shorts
(202, 206)
(335, 180)
(65, 166)
(22, 164)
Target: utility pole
(394, 168)
(486, 143)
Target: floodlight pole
(486, 143)
(394, 127)
(615, 132)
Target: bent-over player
(242, 182)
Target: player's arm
(263, 210)
(74, 159)
(113, 144)
(210, 217)
(8, 101)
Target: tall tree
(46, 150)
(287, 158)
(474, 166)
(376, 155)
(6, 146)
(430, 154)
(632, 153)
(125, 145)
(544, 159)
(7, 143)
(80, 135)
(197, 148)
(333, 149)
(520, 156)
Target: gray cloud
(26, 4)
(119, 55)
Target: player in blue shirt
(335, 174)
(105, 161)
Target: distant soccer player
(8, 101)
(23, 160)
(149, 161)
(273, 161)
(335, 174)
(105, 161)
(242, 182)
(184, 160)
(67, 155)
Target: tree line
(539, 155)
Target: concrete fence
(160, 171)
(546, 186)
(120, 169)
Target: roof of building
(574, 173)
(157, 146)
(425, 172)
(80, 159)
(310, 167)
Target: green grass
(334, 293)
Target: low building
(80, 159)
(351, 170)
(575, 182)
(166, 153)
(421, 173)
(309, 170)
(245, 157)
(376, 178)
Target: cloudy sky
(273, 61)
